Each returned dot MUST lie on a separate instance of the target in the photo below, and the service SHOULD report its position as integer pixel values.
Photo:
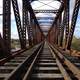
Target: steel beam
(62, 30)
(46, 22)
(34, 33)
(24, 18)
(4, 50)
(45, 18)
(57, 31)
(7, 23)
(18, 22)
(29, 29)
(57, 16)
(59, 28)
(46, 11)
(27, 24)
(29, 8)
(73, 23)
(66, 25)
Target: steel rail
(31, 66)
(70, 65)
(62, 69)
(13, 66)
(13, 54)
(20, 69)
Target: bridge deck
(42, 62)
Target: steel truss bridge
(48, 55)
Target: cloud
(1, 5)
(14, 35)
(77, 33)
(1, 31)
(72, 4)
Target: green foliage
(15, 43)
(76, 43)
(12, 46)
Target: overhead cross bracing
(46, 11)
(49, 11)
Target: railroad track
(70, 63)
(9, 69)
(46, 63)
(74, 60)
(45, 67)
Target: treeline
(76, 43)
(15, 43)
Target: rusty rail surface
(75, 70)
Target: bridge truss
(59, 30)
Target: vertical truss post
(27, 22)
(67, 20)
(31, 25)
(65, 24)
(62, 30)
(7, 24)
(29, 36)
(38, 35)
(24, 18)
(73, 23)
(29, 30)
(56, 32)
(49, 37)
(53, 35)
(59, 42)
(34, 33)
(4, 52)
(18, 22)
(59, 29)
(41, 37)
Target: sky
(14, 33)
